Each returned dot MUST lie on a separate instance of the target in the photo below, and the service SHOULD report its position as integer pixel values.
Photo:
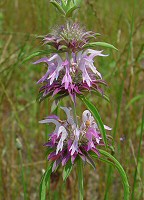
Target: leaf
(112, 161)
(58, 6)
(57, 97)
(70, 11)
(111, 148)
(63, 2)
(38, 53)
(54, 105)
(45, 181)
(101, 95)
(62, 47)
(96, 115)
(90, 160)
(63, 5)
(133, 100)
(103, 44)
(68, 4)
(67, 170)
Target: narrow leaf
(58, 6)
(68, 4)
(67, 170)
(38, 53)
(90, 160)
(63, 5)
(96, 115)
(45, 181)
(70, 11)
(133, 100)
(118, 166)
(95, 44)
(101, 95)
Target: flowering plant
(72, 76)
(70, 71)
(68, 141)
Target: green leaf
(133, 100)
(63, 2)
(68, 4)
(63, 5)
(62, 47)
(45, 182)
(70, 11)
(112, 161)
(90, 160)
(67, 170)
(38, 53)
(103, 44)
(58, 6)
(96, 115)
(54, 105)
(101, 95)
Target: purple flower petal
(65, 159)
(56, 164)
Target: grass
(121, 24)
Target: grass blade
(45, 181)
(133, 100)
(138, 156)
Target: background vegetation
(120, 23)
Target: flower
(70, 140)
(69, 37)
(71, 76)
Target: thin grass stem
(23, 176)
(138, 157)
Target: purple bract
(70, 140)
(71, 75)
(69, 37)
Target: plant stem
(23, 175)
(138, 158)
(80, 178)
(79, 163)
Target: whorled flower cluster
(72, 75)
(69, 37)
(70, 140)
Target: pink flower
(72, 75)
(69, 37)
(69, 140)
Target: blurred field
(120, 23)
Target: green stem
(138, 157)
(80, 178)
(79, 163)
(23, 175)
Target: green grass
(119, 23)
